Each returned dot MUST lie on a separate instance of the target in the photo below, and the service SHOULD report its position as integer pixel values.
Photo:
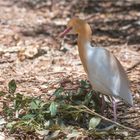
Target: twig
(6, 61)
(104, 118)
(133, 66)
(59, 72)
(120, 117)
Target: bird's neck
(82, 48)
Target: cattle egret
(104, 71)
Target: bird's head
(77, 26)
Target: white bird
(104, 71)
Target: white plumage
(106, 74)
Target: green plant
(66, 114)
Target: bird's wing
(107, 75)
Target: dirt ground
(32, 53)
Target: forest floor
(33, 55)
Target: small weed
(67, 115)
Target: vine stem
(87, 110)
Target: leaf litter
(32, 54)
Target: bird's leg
(114, 109)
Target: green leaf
(11, 124)
(18, 101)
(53, 109)
(12, 86)
(8, 111)
(2, 93)
(80, 91)
(74, 134)
(34, 104)
(94, 122)
(28, 116)
(84, 84)
(58, 92)
(88, 98)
